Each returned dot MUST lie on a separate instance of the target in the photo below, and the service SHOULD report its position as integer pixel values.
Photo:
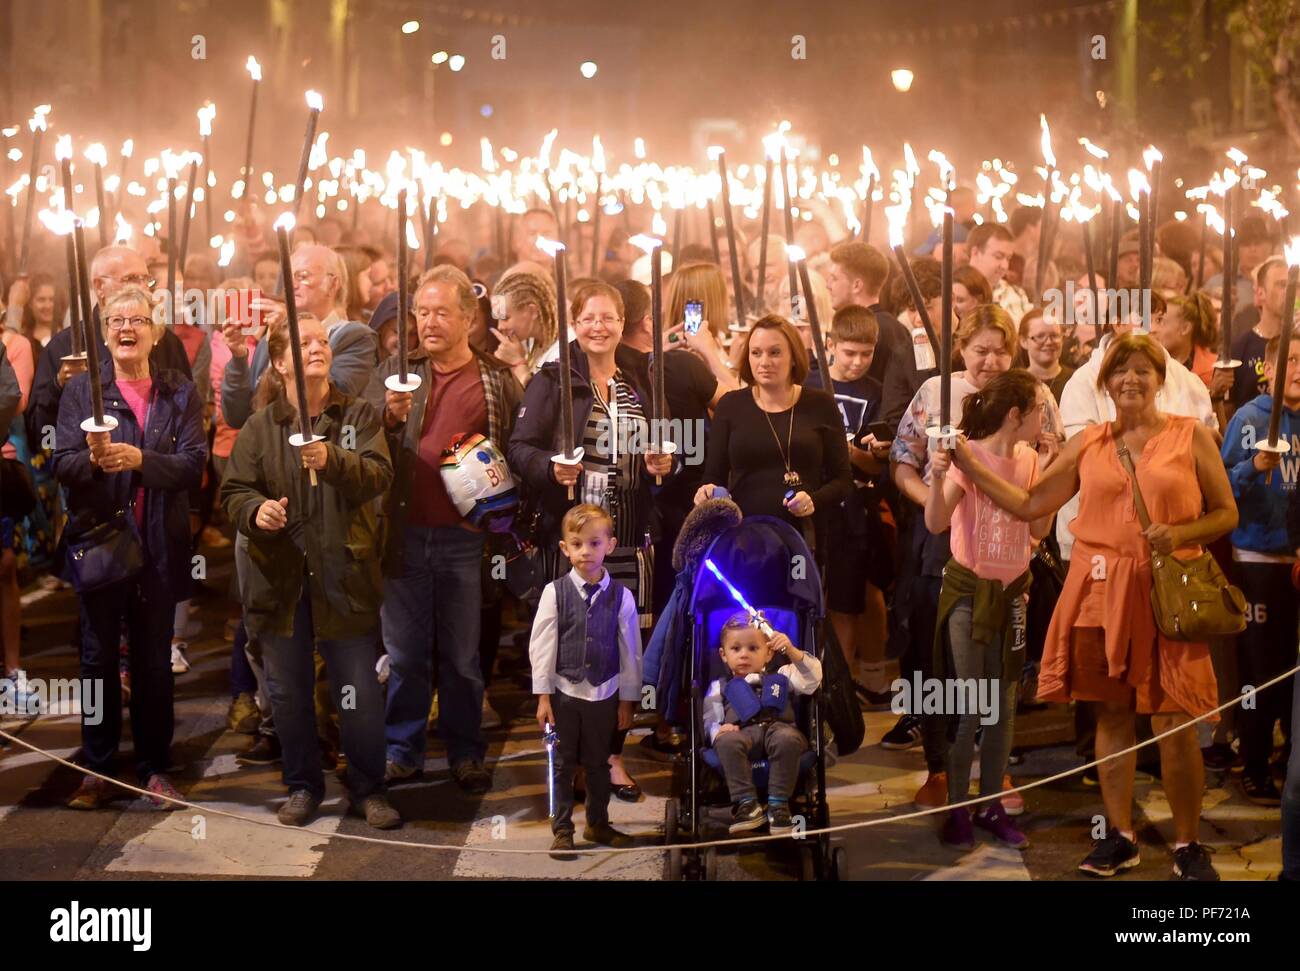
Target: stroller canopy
(767, 560)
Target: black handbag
(839, 699)
(17, 490)
(107, 554)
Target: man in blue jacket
(1263, 483)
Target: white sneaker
(180, 663)
(490, 718)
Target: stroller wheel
(675, 865)
(671, 809)
(711, 864)
(839, 868)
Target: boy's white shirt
(543, 647)
(805, 676)
(1084, 404)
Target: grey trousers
(971, 661)
(781, 742)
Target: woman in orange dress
(1103, 646)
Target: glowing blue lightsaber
(550, 738)
(739, 597)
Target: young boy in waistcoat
(750, 711)
(585, 651)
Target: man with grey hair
(433, 562)
(112, 269)
(320, 287)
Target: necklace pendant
(792, 480)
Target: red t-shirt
(456, 404)
(137, 395)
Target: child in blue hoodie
(1263, 483)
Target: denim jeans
(1291, 797)
(434, 606)
(291, 681)
(146, 608)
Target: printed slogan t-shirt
(987, 539)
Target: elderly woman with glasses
(128, 537)
(611, 408)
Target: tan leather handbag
(1192, 599)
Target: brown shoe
(94, 793)
(606, 835)
(298, 809)
(379, 812)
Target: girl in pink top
(982, 599)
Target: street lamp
(902, 79)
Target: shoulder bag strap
(1127, 461)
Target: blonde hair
(522, 288)
(577, 519)
(703, 282)
(987, 316)
(135, 295)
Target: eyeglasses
(130, 280)
(118, 322)
(306, 278)
(1041, 339)
(609, 320)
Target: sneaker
(778, 818)
(161, 787)
(1192, 862)
(995, 820)
(472, 777)
(298, 809)
(870, 700)
(1219, 757)
(244, 716)
(1012, 802)
(905, 734)
(661, 750)
(19, 699)
(180, 663)
(490, 718)
(93, 793)
(378, 811)
(397, 772)
(934, 793)
(747, 816)
(1260, 789)
(265, 750)
(606, 835)
(1111, 855)
(957, 830)
(562, 846)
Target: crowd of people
(364, 607)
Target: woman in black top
(778, 447)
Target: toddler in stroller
(750, 713)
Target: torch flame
(253, 68)
(1292, 251)
(96, 155)
(314, 101)
(1048, 155)
(1093, 149)
(206, 114)
(59, 223)
(794, 253)
(945, 167)
(488, 161)
(37, 121)
(227, 252)
(1137, 183)
(1151, 155)
(647, 243)
(412, 240)
(63, 147)
(913, 169)
(869, 164)
(597, 154)
(638, 148)
(773, 145)
(123, 230)
(285, 222)
(897, 216)
(549, 246)
(1237, 156)
(544, 155)
(128, 148)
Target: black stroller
(771, 567)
